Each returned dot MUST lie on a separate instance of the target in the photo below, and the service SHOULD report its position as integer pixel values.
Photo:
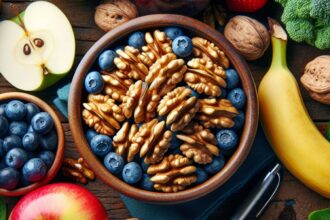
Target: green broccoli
(307, 21)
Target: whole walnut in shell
(111, 13)
(316, 79)
(249, 37)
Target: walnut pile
(158, 45)
(216, 113)
(179, 107)
(174, 173)
(199, 144)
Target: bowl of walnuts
(163, 109)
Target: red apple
(59, 201)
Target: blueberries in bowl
(227, 139)
(146, 183)
(114, 162)
(106, 60)
(182, 46)
(94, 82)
(232, 78)
(132, 173)
(173, 32)
(202, 175)
(237, 98)
(101, 145)
(216, 165)
(239, 121)
(25, 131)
(136, 40)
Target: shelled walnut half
(116, 84)
(140, 100)
(151, 141)
(209, 51)
(179, 107)
(199, 143)
(205, 77)
(174, 173)
(123, 138)
(102, 113)
(216, 113)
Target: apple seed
(26, 49)
(38, 42)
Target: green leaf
(3, 210)
(323, 214)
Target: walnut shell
(249, 37)
(316, 79)
(110, 14)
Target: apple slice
(38, 49)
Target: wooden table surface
(81, 16)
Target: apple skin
(59, 201)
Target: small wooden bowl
(60, 147)
(195, 28)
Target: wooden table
(81, 16)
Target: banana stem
(279, 41)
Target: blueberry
(2, 109)
(12, 141)
(232, 78)
(31, 110)
(94, 82)
(30, 129)
(194, 93)
(237, 98)
(34, 170)
(31, 141)
(173, 32)
(227, 139)
(9, 178)
(42, 123)
(2, 151)
(114, 162)
(223, 93)
(3, 163)
(18, 128)
(90, 133)
(132, 173)
(101, 145)
(239, 121)
(182, 46)
(136, 40)
(3, 126)
(32, 154)
(201, 175)
(49, 141)
(16, 158)
(146, 183)
(106, 60)
(144, 166)
(47, 157)
(175, 142)
(216, 165)
(15, 110)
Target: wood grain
(81, 13)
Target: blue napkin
(260, 157)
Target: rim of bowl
(198, 28)
(60, 146)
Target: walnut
(132, 63)
(179, 108)
(165, 73)
(102, 113)
(215, 113)
(206, 50)
(316, 79)
(199, 143)
(158, 45)
(205, 77)
(112, 13)
(248, 36)
(152, 140)
(142, 101)
(123, 139)
(174, 173)
(116, 84)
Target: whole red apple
(59, 201)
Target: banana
(293, 136)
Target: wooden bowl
(60, 147)
(195, 28)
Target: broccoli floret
(301, 30)
(323, 38)
(320, 9)
(282, 2)
(296, 9)
(323, 22)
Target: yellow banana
(294, 137)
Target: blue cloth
(260, 156)
(258, 159)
